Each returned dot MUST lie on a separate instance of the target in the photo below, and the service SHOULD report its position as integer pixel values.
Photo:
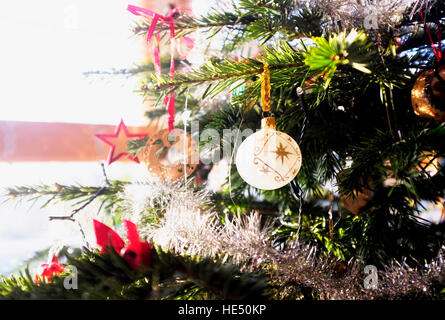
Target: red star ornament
(119, 145)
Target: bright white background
(46, 46)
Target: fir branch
(254, 19)
(108, 276)
(57, 192)
(284, 62)
(224, 280)
(136, 146)
(185, 24)
(82, 195)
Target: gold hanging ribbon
(267, 122)
(265, 88)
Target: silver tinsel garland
(187, 225)
(366, 14)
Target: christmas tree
(326, 201)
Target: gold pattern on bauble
(268, 159)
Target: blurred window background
(47, 46)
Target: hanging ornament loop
(268, 159)
(297, 193)
(300, 93)
(265, 88)
(295, 188)
(268, 120)
(437, 51)
(169, 100)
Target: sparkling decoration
(118, 142)
(189, 229)
(268, 159)
(171, 154)
(355, 203)
(169, 100)
(438, 86)
(368, 15)
(428, 94)
(430, 164)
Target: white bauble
(268, 159)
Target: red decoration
(49, 270)
(437, 51)
(119, 147)
(169, 19)
(107, 238)
(313, 80)
(137, 253)
(184, 46)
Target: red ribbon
(137, 253)
(169, 101)
(437, 52)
